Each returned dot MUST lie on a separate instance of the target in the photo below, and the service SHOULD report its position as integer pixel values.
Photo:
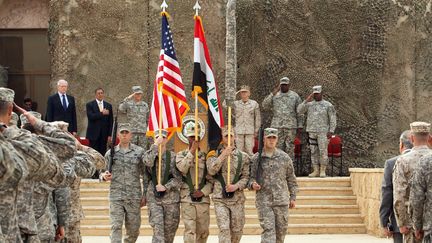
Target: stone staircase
(324, 206)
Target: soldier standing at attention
(275, 186)
(195, 204)
(163, 199)
(247, 120)
(402, 178)
(284, 102)
(126, 195)
(321, 124)
(228, 196)
(421, 199)
(136, 110)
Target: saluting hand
(276, 89)
(309, 98)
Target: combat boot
(315, 172)
(323, 171)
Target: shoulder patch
(211, 153)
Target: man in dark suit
(387, 217)
(100, 121)
(61, 107)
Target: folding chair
(334, 150)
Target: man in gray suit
(387, 217)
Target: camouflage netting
(373, 57)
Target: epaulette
(211, 153)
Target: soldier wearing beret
(272, 177)
(402, 178)
(137, 111)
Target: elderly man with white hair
(61, 107)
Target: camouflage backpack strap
(221, 180)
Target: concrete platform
(358, 238)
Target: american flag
(168, 77)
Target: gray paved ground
(288, 239)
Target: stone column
(231, 53)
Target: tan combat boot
(315, 172)
(322, 171)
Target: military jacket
(247, 117)
(321, 116)
(284, 107)
(127, 169)
(215, 165)
(402, 179)
(185, 161)
(136, 113)
(276, 178)
(421, 195)
(13, 170)
(171, 177)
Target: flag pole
(196, 139)
(196, 7)
(229, 144)
(163, 6)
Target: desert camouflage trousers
(196, 218)
(245, 143)
(230, 220)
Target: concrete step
(249, 229)
(250, 200)
(304, 191)
(302, 181)
(251, 210)
(253, 219)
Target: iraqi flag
(204, 85)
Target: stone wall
(24, 14)
(373, 57)
(366, 184)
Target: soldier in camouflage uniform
(247, 119)
(402, 178)
(13, 170)
(421, 199)
(228, 197)
(321, 124)
(284, 102)
(126, 192)
(44, 137)
(136, 110)
(14, 120)
(195, 204)
(163, 199)
(87, 161)
(272, 177)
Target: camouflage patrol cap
(317, 89)
(137, 89)
(190, 130)
(420, 127)
(270, 132)
(14, 119)
(6, 94)
(124, 127)
(225, 131)
(285, 80)
(24, 120)
(162, 131)
(244, 88)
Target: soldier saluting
(276, 188)
(321, 124)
